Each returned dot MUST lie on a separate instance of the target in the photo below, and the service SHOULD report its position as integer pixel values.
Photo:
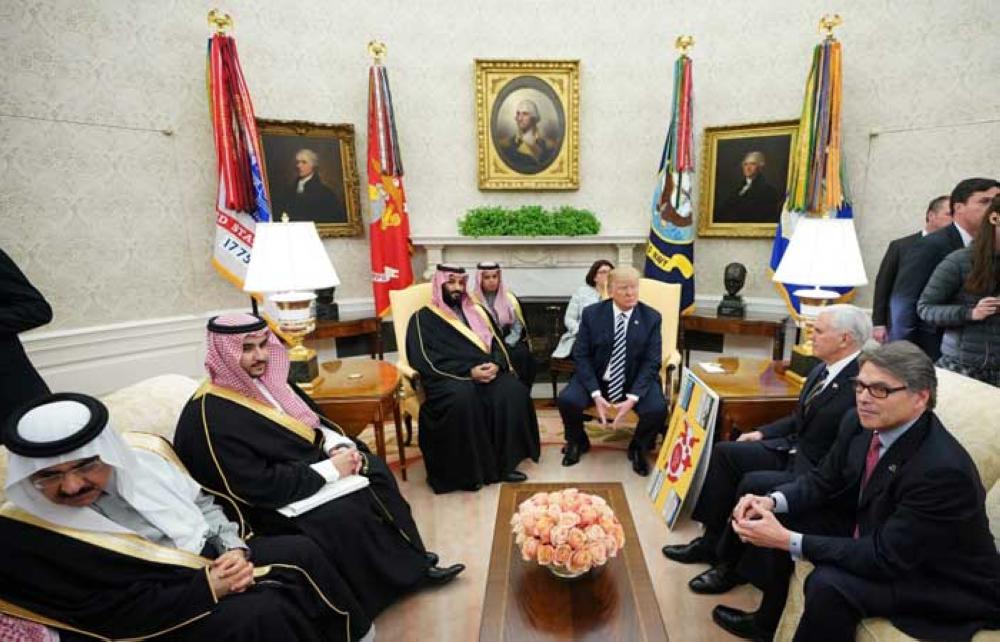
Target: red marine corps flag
(390, 223)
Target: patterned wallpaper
(111, 217)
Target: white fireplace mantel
(533, 265)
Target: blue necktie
(616, 367)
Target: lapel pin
(835, 385)
(892, 468)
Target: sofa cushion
(152, 405)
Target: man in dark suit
(778, 452)
(617, 353)
(22, 308)
(968, 202)
(894, 520)
(937, 216)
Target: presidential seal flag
(390, 223)
(241, 198)
(816, 176)
(670, 250)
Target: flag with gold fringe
(670, 250)
(390, 223)
(816, 178)
(241, 196)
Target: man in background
(493, 294)
(22, 308)
(968, 203)
(937, 216)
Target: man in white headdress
(103, 540)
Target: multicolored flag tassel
(670, 250)
(390, 223)
(816, 178)
(242, 198)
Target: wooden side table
(352, 327)
(751, 393)
(754, 324)
(355, 392)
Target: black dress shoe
(573, 452)
(585, 447)
(638, 459)
(515, 477)
(721, 578)
(740, 623)
(432, 558)
(436, 576)
(697, 551)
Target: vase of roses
(566, 531)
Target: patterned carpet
(549, 427)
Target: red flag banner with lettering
(242, 197)
(390, 222)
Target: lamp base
(803, 361)
(304, 369)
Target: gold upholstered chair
(404, 304)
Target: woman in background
(961, 297)
(595, 290)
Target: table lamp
(288, 262)
(823, 252)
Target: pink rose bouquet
(568, 531)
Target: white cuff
(595, 394)
(780, 502)
(629, 395)
(327, 470)
(332, 439)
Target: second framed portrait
(312, 174)
(744, 176)
(528, 127)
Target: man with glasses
(893, 518)
(778, 452)
(108, 541)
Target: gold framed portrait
(528, 124)
(311, 174)
(744, 178)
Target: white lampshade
(288, 256)
(822, 252)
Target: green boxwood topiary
(528, 220)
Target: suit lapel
(897, 456)
(955, 237)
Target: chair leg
(408, 422)
(554, 376)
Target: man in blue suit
(617, 355)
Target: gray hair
(850, 319)
(906, 362)
(529, 107)
(310, 155)
(755, 157)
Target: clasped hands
(605, 408)
(484, 372)
(987, 306)
(754, 522)
(346, 459)
(231, 572)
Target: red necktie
(870, 462)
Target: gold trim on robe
(288, 422)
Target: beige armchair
(404, 304)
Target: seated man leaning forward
(777, 452)
(617, 353)
(249, 435)
(106, 541)
(477, 422)
(893, 518)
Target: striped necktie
(616, 367)
(817, 386)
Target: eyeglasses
(50, 480)
(876, 390)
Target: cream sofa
(968, 409)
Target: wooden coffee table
(524, 602)
(355, 392)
